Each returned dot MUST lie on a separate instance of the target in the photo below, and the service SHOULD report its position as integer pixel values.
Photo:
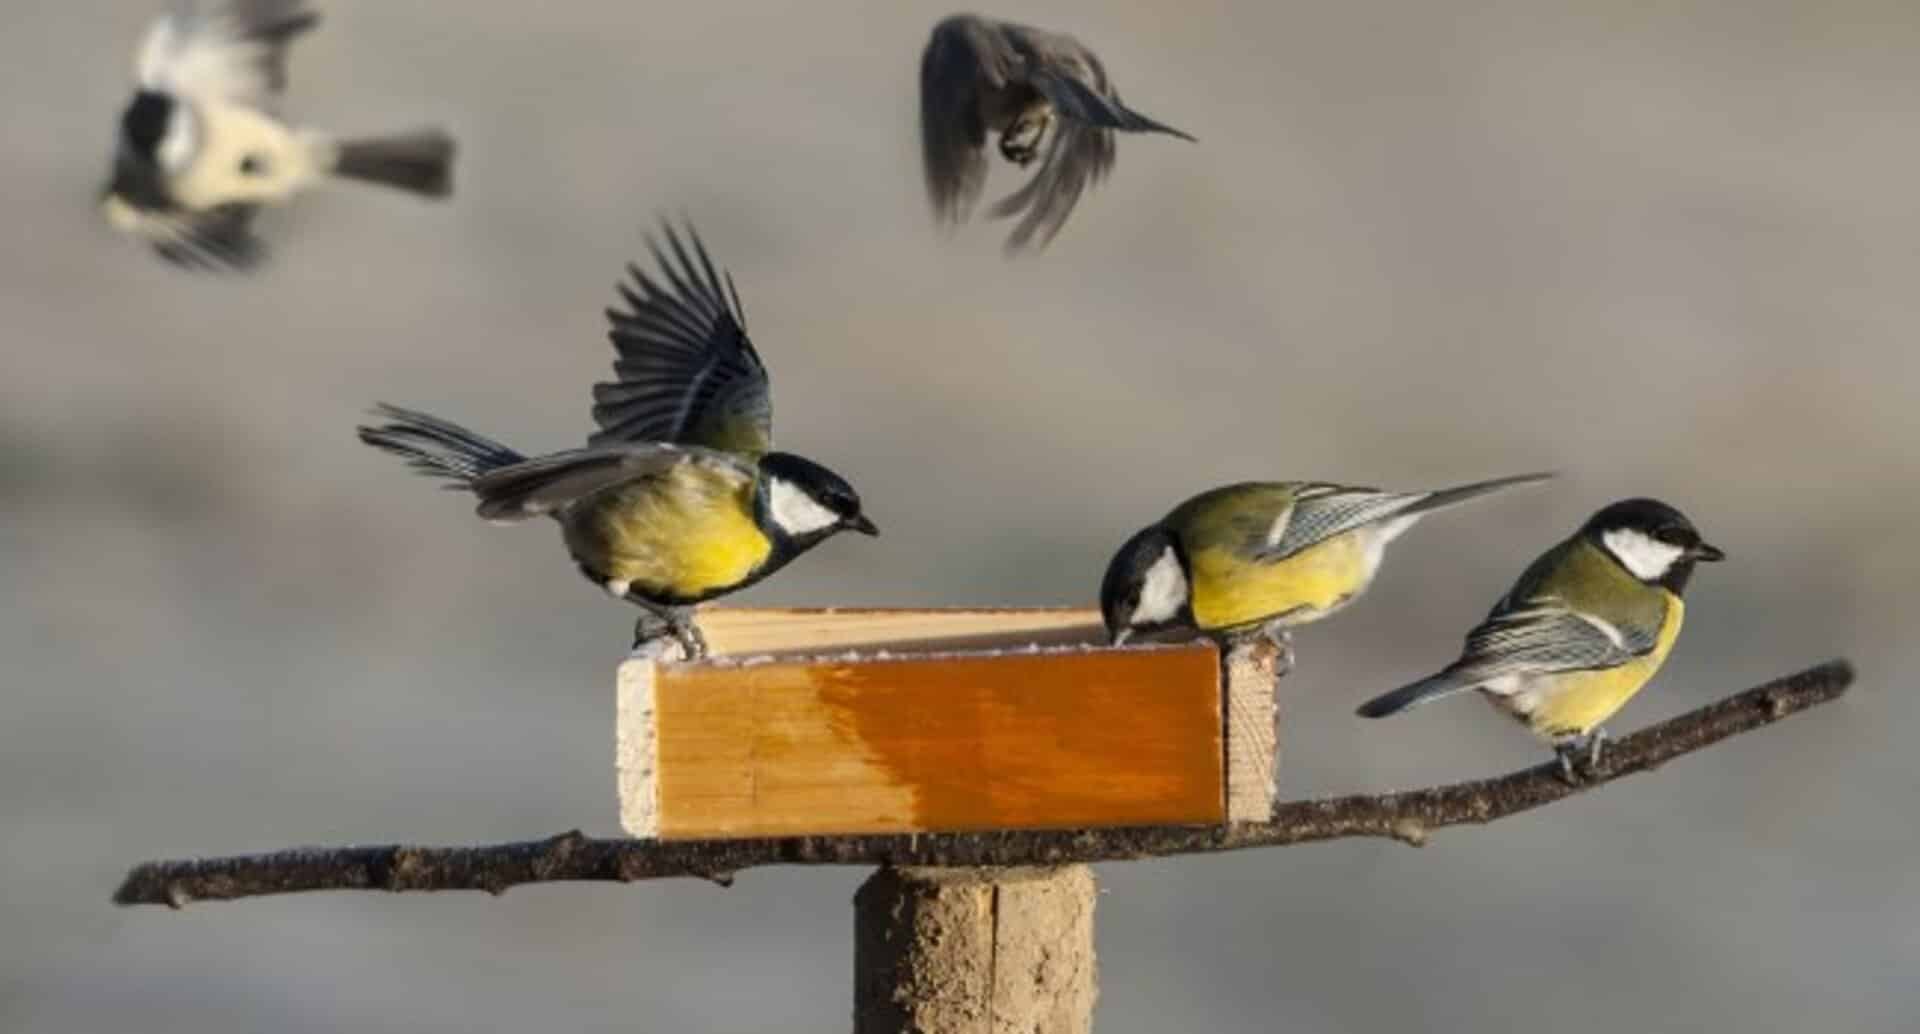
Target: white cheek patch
(1163, 592)
(1648, 558)
(796, 512)
(181, 139)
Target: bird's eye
(1672, 535)
(253, 165)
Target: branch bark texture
(1409, 816)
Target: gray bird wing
(236, 52)
(966, 60)
(687, 371)
(217, 240)
(1081, 152)
(1541, 635)
(547, 484)
(1321, 511)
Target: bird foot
(1282, 641)
(652, 632)
(1580, 756)
(1020, 142)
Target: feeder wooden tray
(905, 721)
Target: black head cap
(1146, 587)
(805, 502)
(145, 122)
(1652, 540)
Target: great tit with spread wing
(1583, 630)
(678, 498)
(1029, 87)
(1263, 556)
(201, 146)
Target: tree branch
(1409, 817)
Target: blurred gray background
(1669, 251)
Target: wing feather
(965, 61)
(547, 484)
(1542, 635)
(688, 373)
(235, 53)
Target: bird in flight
(201, 146)
(1049, 100)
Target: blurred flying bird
(678, 498)
(201, 146)
(1585, 628)
(1046, 96)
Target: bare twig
(1409, 817)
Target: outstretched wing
(546, 484)
(236, 52)
(1081, 152)
(966, 59)
(687, 371)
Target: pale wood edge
(1252, 751)
(636, 747)
(756, 631)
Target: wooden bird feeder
(811, 722)
(827, 722)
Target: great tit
(201, 145)
(1262, 556)
(1585, 627)
(678, 497)
(978, 75)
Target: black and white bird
(1045, 95)
(201, 146)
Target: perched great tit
(979, 75)
(1262, 556)
(201, 146)
(678, 498)
(1585, 627)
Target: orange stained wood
(1064, 738)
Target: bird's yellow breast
(1578, 702)
(1230, 590)
(685, 535)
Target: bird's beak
(861, 524)
(1707, 552)
(1121, 635)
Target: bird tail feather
(1432, 687)
(419, 163)
(1138, 123)
(435, 447)
(1461, 493)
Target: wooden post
(974, 951)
